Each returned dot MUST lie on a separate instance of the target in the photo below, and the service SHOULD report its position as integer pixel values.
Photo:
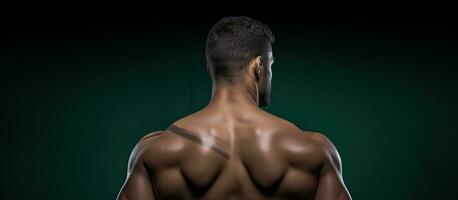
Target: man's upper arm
(138, 183)
(330, 184)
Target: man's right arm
(330, 184)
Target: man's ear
(259, 66)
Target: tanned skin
(232, 149)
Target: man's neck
(233, 97)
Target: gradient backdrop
(80, 88)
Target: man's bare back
(232, 149)
(250, 156)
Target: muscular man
(232, 149)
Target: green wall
(75, 103)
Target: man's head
(238, 48)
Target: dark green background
(76, 97)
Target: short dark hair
(232, 42)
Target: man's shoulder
(156, 146)
(305, 138)
(150, 135)
(287, 126)
(302, 142)
(318, 137)
(158, 142)
(148, 140)
(328, 149)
